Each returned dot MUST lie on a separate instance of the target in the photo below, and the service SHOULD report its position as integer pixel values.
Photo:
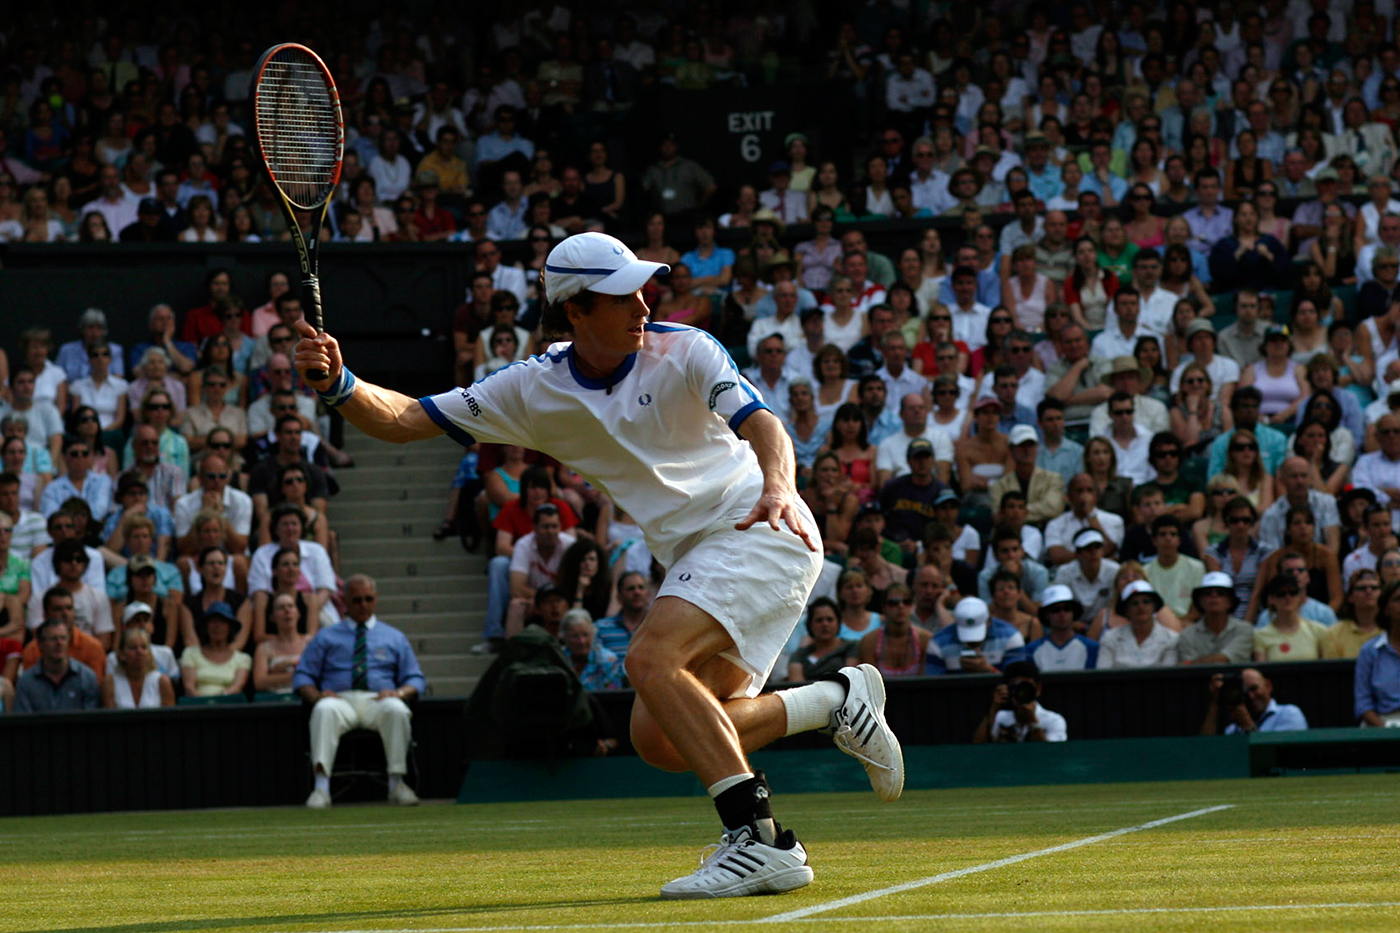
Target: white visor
(595, 262)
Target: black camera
(1023, 692)
(1231, 691)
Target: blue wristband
(340, 391)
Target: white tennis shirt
(659, 436)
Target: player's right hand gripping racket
(300, 136)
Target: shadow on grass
(281, 921)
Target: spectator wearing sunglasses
(1379, 470)
(216, 494)
(212, 412)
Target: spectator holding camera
(975, 644)
(1245, 702)
(1016, 714)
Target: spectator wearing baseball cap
(142, 615)
(976, 643)
(984, 455)
(893, 458)
(1045, 498)
(947, 509)
(1218, 637)
(1061, 648)
(1090, 575)
(1083, 512)
(909, 500)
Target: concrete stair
(389, 504)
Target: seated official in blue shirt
(1247, 704)
(358, 674)
(1377, 679)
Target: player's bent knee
(651, 743)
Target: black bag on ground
(530, 703)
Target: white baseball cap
(595, 262)
(133, 610)
(1023, 434)
(971, 615)
(1086, 537)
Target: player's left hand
(776, 506)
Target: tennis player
(659, 418)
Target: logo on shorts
(719, 389)
(685, 577)
(471, 403)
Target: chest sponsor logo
(719, 389)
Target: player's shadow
(280, 920)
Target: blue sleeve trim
(448, 426)
(742, 414)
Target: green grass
(1285, 843)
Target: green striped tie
(359, 667)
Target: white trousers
(332, 717)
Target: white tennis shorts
(755, 583)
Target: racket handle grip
(311, 298)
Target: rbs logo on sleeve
(472, 406)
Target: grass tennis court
(1287, 854)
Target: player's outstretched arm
(379, 412)
(778, 504)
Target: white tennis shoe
(740, 865)
(859, 729)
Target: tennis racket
(300, 136)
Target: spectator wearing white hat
(1089, 576)
(1061, 648)
(1045, 498)
(975, 643)
(141, 615)
(1084, 513)
(1218, 638)
(1143, 642)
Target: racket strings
(298, 128)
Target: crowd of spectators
(159, 503)
(1107, 301)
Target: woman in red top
(204, 321)
(939, 328)
(852, 447)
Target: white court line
(986, 866)
(905, 918)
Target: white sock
(394, 781)
(323, 782)
(810, 706)
(720, 786)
